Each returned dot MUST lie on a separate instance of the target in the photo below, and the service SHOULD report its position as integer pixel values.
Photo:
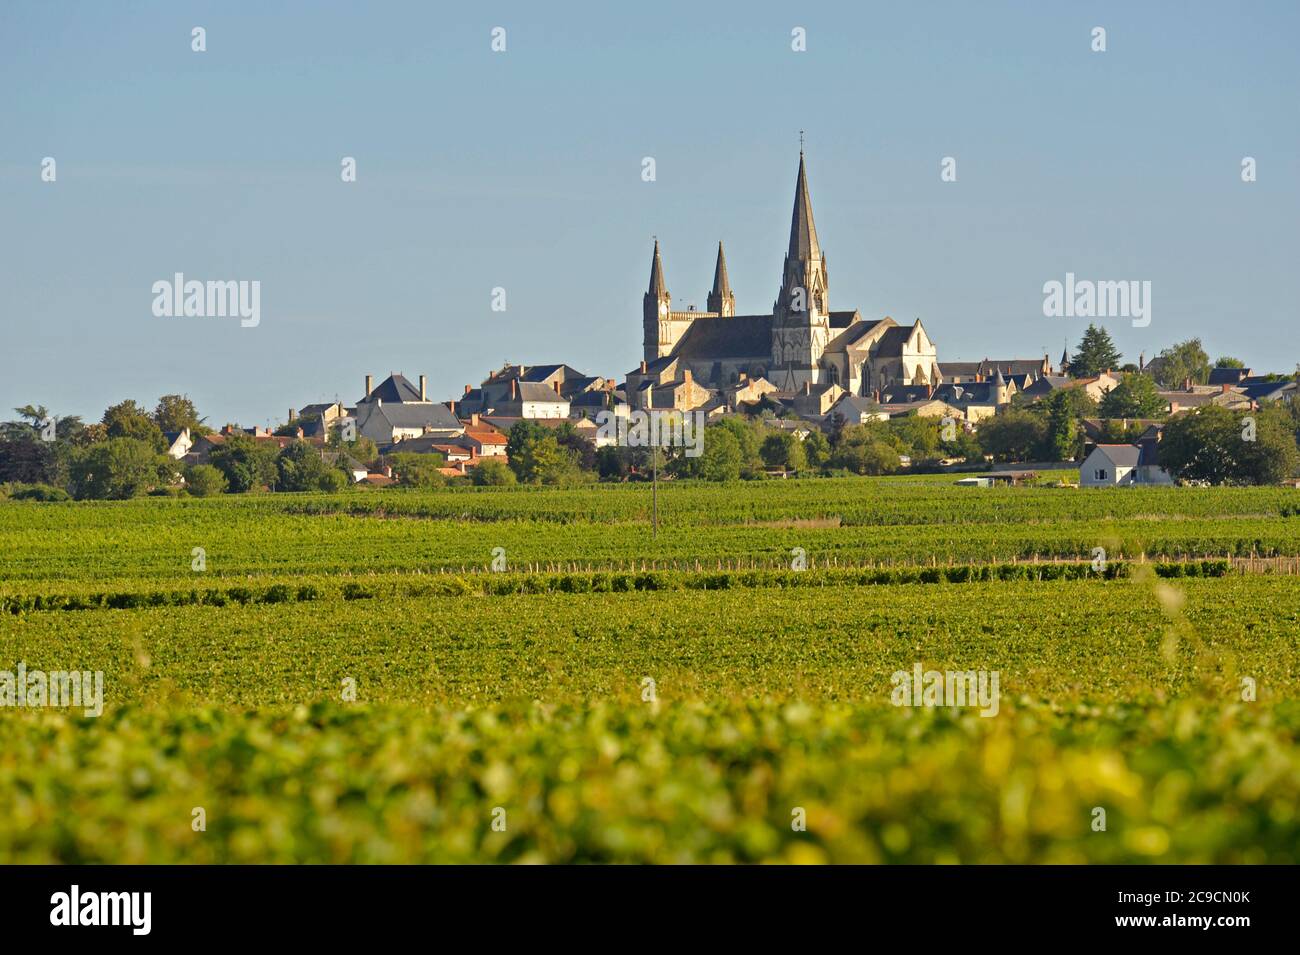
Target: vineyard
(619, 698)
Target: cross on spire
(801, 142)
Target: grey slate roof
(971, 393)
(1266, 390)
(904, 393)
(893, 340)
(536, 391)
(394, 388)
(743, 336)
(418, 415)
(1122, 455)
(1227, 376)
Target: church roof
(743, 336)
(803, 233)
(893, 340)
(854, 333)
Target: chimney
(686, 376)
(1226, 387)
(422, 397)
(291, 415)
(468, 389)
(807, 387)
(643, 366)
(473, 420)
(369, 385)
(514, 388)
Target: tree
(865, 450)
(116, 469)
(1062, 432)
(546, 461)
(203, 480)
(965, 445)
(1220, 446)
(614, 463)
(1096, 354)
(783, 450)
(34, 421)
(128, 420)
(522, 434)
(817, 448)
(915, 436)
(300, 467)
(835, 428)
(27, 460)
(584, 451)
(176, 413)
(1134, 397)
(246, 463)
(1183, 362)
(360, 447)
(492, 473)
(747, 435)
(721, 460)
(872, 457)
(411, 469)
(1013, 435)
(1227, 361)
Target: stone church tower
(800, 317)
(663, 329)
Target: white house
(178, 443)
(1112, 465)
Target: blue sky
(523, 170)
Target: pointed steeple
(657, 287)
(656, 317)
(803, 233)
(721, 300)
(800, 319)
(1065, 361)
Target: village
(801, 390)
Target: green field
(522, 694)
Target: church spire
(803, 233)
(721, 300)
(658, 289)
(800, 320)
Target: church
(803, 346)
